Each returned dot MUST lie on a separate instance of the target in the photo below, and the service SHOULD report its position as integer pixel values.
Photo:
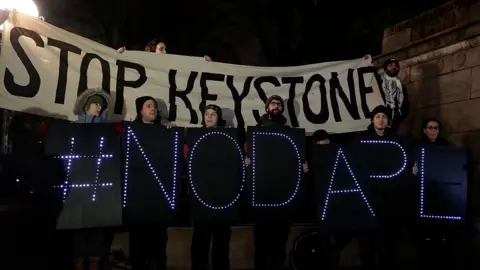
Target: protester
(218, 233)
(29, 203)
(320, 137)
(148, 242)
(380, 241)
(430, 136)
(431, 128)
(436, 244)
(90, 246)
(158, 46)
(395, 93)
(379, 122)
(270, 237)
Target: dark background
(248, 32)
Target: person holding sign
(219, 234)
(270, 238)
(89, 244)
(148, 244)
(379, 127)
(380, 240)
(430, 136)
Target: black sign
(356, 186)
(216, 174)
(442, 182)
(92, 188)
(153, 166)
(391, 182)
(276, 171)
(343, 199)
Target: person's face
(380, 121)
(431, 130)
(149, 111)
(94, 109)
(161, 48)
(323, 142)
(275, 107)
(211, 118)
(393, 69)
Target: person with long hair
(158, 46)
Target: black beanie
(218, 110)
(389, 61)
(272, 98)
(381, 109)
(139, 104)
(320, 135)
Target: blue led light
(190, 165)
(422, 193)
(299, 169)
(171, 199)
(404, 158)
(66, 185)
(331, 191)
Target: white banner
(44, 68)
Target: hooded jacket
(79, 108)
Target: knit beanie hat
(277, 98)
(389, 61)
(139, 104)
(141, 100)
(320, 135)
(218, 110)
(381, 109)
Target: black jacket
(267, 121)
(438, 141)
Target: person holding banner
(396, 96)
(219, 234)
(91, 245)
(148, 244)
(158, 46)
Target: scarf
(393, 90)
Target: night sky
(249, 32)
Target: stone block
(396, 41)
(472, 30)
(404, 75)
(475, 92)
(432, 68)
(467, 58)
(456, 117)
(447, 88)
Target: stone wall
(436, 28)
(445, 83)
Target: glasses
(432, 127)
(276, 103)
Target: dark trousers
(89, 244)
(379, 242)
(437, 251)
(148, 247)
(270, 240)
(220, 237)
